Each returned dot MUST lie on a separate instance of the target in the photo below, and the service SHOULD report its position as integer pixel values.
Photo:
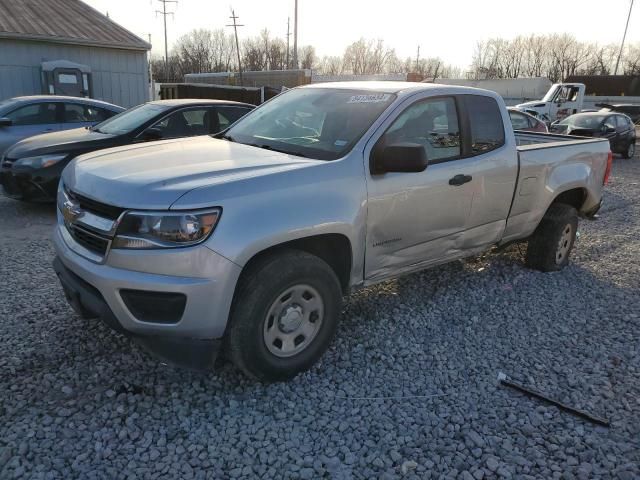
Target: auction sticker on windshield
(373, 98)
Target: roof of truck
(395, 87)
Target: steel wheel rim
(293, 320)
(564, 244)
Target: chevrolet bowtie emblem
(71, 211)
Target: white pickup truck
(250, 240)
(562, 100)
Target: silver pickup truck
(248, 241)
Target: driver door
(416, 219)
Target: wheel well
(335, 249)
(574, 197)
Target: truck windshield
(130, 119)
(319, 123)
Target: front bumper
(27, 185)
(95, 290)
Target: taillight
(607, 171)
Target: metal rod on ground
(235, 29)
(624, 36)
(533, 393)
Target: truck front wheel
(551, 243)
(284, 315)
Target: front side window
(431, 123)
(485, 120)
(184, 123)
(131, 119)
(78, 113)
(312, 122)
(34, 114)
(610, 123)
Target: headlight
(165, 229)
(41, 161)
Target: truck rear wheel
(551, 243)
(284, 315)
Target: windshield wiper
(269, 147)
(228, 137)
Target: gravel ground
(408, 389)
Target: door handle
(460, 179)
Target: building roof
(64, 21)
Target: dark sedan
(31, 169)
(618, 128)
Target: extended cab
(251, 239)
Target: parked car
(525, 122)
(615, 127)
(31, 168)
(630, 110)
(252, 238)
(23, 117)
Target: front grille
(91, 241)
(101, 209)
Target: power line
(615, 72)
(164, 14)
(235, 26)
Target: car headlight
(40, 161)
(165, 229)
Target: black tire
(259, 288)
(551, 244)
(630, 151)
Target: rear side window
(485, 121)
(229, 115)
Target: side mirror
(401, 157)
(152, 133)
(607, 129)
(5, 122)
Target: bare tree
(307, 57)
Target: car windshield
(317, 123)
(130, 119)
(584, 121)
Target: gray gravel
(407, 390)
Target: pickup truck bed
(547, 161)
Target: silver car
(23, 117)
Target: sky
(448, 29)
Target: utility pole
(235, 26)
(615, 72)
(164, 14)
(288, 35)
(295, 36)
(418, 60)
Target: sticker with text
(373, 98)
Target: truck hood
(155, 175)
(534, 104)
(56, 142)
